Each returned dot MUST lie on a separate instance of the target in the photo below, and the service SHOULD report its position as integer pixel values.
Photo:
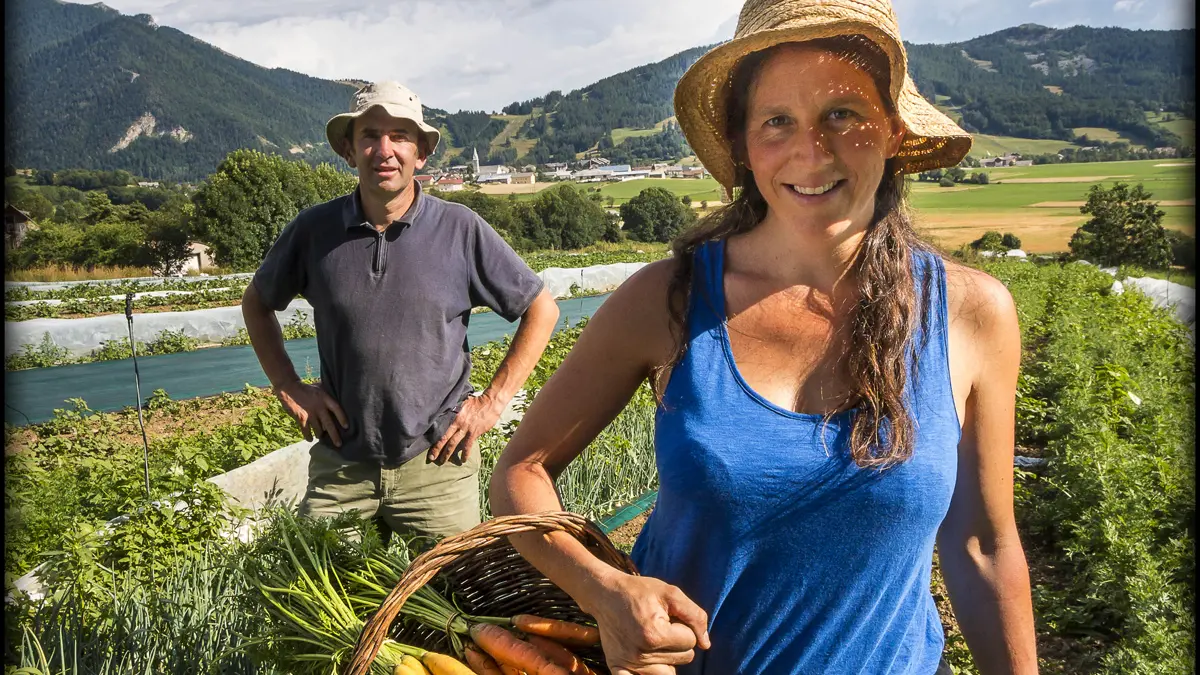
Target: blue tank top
(805, 562)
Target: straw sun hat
(931, 140)
(396, 99)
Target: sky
(485, 54)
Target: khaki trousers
(415, 498)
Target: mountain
(1036, 82)
(92, 88)
(1029, 81)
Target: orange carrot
(480, 662)
(507, 648)
(559, 654)
(565, 632)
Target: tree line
(242, 207)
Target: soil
(624, 536)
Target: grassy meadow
(1040, 204)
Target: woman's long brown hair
(889, 309)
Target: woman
(833, 396)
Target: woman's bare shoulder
(979, 302)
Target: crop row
(47, 354)
(227, 288)
(1106, 394)
(177, 301)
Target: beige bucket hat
(396, 99)
(931, 140)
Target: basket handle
(428, 564)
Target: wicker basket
(487, 578)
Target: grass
(1001, 145)
(1105, 135)
(705, 189)
(957, 216)
(1180, 276)
(1183, 127)
(55, 273)
(619, 135)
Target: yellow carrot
(440, 664)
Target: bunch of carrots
(317, 600)
(544, 649)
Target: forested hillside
(91, 88)
(1038, 82)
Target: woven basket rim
(427, 565)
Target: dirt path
(1060, 179)
(1075, 205)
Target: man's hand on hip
(478, 415)
(314, 410)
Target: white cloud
(484, 54)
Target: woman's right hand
(647, 626)
(314, 410)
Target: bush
(1125, 228)
(655, 215)
(1010, 241)
(946, 182)
(990, 241)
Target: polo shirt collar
(354, 216)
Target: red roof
(450, 181)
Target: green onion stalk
(323, 620)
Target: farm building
(1013, 159)
(199, 258)
(505, 178)
(424, 181)
(16, 226)
(524, 178)
(450, 184)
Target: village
(590, 170)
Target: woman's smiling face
(817, 137)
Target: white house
(450, 184)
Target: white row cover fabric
(594, 279)
(81, 336)
(59, 285)
(1170, 295)
(136, 296)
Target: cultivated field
(1040, 204)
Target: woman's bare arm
(978, 544)
(643, 621)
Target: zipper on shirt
(379, 259)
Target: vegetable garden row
(1106, 395)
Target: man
(392, 275)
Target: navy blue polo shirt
(391, 310)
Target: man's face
(385, 150)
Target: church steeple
(475, 159)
